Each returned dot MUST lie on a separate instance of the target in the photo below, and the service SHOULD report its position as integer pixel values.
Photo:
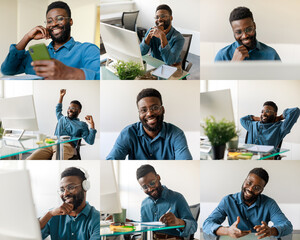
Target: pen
(168, 210)
(161, 71)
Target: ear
(79, 111)
(171, 18)
(71, 21)
(163, 109)
(158, 177)
(254, 25)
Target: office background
(20, 16)
(45, 180)
(220, 178)
(249, 96)
(46, 95)
(179, 176)
(118, 109)
(276, 25)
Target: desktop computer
(18, 115)
(120, 44)
(18, 219)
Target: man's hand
(171, 220)
(63, 92)
(90, 120)
(234, 232)
(64, 209)
(54, 69)
(279, 118)
(37, 33)
(240, 53)
(265, 231)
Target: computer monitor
(120, 44)
(109, 191)
(18, 115)
(18, 219)
(217, 104)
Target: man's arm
(145, 44)
(59, 105)
(232, 231)
(89, 135)
(120, 149)
(247, 121)
(181, 148)
(290, 116)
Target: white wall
(46, 95)
(220, 178)
(179, 176)
(118, 108)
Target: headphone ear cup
(86, 185)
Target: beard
(253, 42)
(66, 32)
(157, 127)
(269, 119)
(73, 116)
(77, 199)
(159, 190)
(249, 200)
(165, 25)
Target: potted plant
(219, 133)
(128, 70)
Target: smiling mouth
(248, 194)
(56, 31)
(151, 120)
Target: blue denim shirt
(270, 133)
(264, 209)
(169, 144)
(85, 56)
(261, 52)
(170, 54)
(152, 210)
(86, 226)
(73, 127)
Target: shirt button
(72, 234)
(74, 220)
(150, 154)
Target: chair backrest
(195, 210)
(129, 20)
(77, 149)
(186, 47)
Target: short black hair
(59, 4)
(164, 7)
(148, 92)
(262, 173)
(144, 170)
(73, 171)
(240, 13)
(272, 104)
(77, 103)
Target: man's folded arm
(170, 54)
(15, 61)
(120, 149)
(246, 121)
(181, 149)
(91, 63)
(290, 116)
(89, 135)
(143, 46)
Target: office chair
(277, 157)
(185, 51)
(195, 210)
(129, 21)
(77, 150)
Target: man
(164, 41)
(69, 125)
(69, 59)
(270, 129)
(151, 138)
(246, 46)
(249, 211)
(164, 205)
(75, 218)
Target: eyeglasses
(248, 30)
(266, 111)
(255, 188)
(153, 109)
(72, 108)
(149, 185)
(162, 16)
(69, 188)
(57, 19)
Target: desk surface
(105, 230)
(10, 148)
(251, 236)
(108, 75)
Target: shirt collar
(164, 194)
(170, 33)
(86, 210)
(162, 133)
(256, 203)
(69, 45)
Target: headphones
(86, 183)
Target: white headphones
(86, 183)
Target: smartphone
(39, 52)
